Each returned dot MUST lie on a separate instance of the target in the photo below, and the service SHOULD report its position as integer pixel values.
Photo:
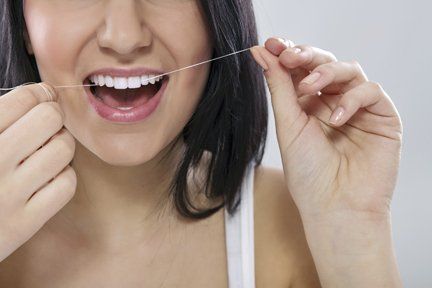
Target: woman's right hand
(36, 180)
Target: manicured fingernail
(283, 41)
(336, 115)
(286, 42)
(312, 78)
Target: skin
(318, 205)
(119, 155)
(327, 164)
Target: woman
(125, 181)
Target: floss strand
(168, 73)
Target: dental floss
(171, 72)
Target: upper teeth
(124, 82)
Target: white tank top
(239, 236)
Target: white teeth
(125, 108)
(152, 80)
(144, 80)
(124, 82)
(109, 81)
(95, 80)
(101, 80)
(120, 83)
(134, 82)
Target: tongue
(126, 97)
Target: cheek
(193, 44)
(55, 38)
(189, 45)
(60, 39)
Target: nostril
(125, 45)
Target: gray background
(390, 40)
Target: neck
(111, 201)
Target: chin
(126, 161)
(125, 155)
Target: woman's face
(72, 39)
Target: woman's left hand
(346, 168)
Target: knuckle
(64, 187)
(68, 148)
(376, 87)
(71, 176)
(305, 47)
(327, 55)
(50, 113)
(70, 140)
(331, 56)
(26, 98)
(287, 60)
(356, 65)
(326, 68)
(68, 182)
(310, 51)
(64, 144)
(276, 87)
(285, 55)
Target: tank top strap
(239, 232)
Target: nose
(124, 31)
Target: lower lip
(127, 116)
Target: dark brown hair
(230, 120)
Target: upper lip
(126, 72)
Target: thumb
(283, 95)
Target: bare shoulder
(282, 256)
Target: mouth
(125, 99)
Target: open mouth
(123, 95)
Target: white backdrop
(390, 39)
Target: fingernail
(283, 41)
(297, 50)
(286, 42)
(336, 115)
(312, 78)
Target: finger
(22, 99)
(306, 57)
(368, 95)
(343, 76)
(277, 45)
(30, 132)
(46, 202)
(45, 163)
(283, 96)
